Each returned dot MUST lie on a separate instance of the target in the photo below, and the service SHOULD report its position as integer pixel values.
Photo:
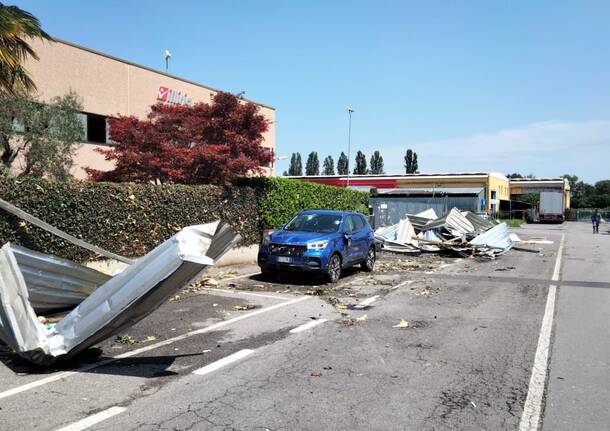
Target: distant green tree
(572, 179)
(42, 135)
(342, 164)
(296, 166)
(312, 167)
(360, 168)
(514, 175)
(328, 167)
(531, 198)
(602, 187)
(411, 166)
(285, 173)
(376, 163)
(588, 196)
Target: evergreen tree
(377, 163)
(360, 168)
(411, 162)
(296, 167)
(285, 173)
(328, 166)
(312, 167)
(342, 164)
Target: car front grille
(286, 250)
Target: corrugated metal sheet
(497, 238)
(430, 214)
(389, 210)
(454, 222)
(53, 282)
(479, 223)
(117, 304)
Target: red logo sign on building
(163, 94)
(168, 95)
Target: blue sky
(470, 86)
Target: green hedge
(130, 219)
(284, 197)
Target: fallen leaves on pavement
(403, 324)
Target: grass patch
(515, 222)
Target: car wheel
(369, 263)
(266, 274)
(334, 268)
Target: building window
(96, 128)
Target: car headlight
(318, 245)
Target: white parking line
(93, 419)
(366, 302)
(222, 362)
(532, 409)
(210, 328)
(237, 277)
(307, 326)
(242, 292)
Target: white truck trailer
(552, 207)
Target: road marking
(222, 362)
(94, 419)
(237, 277)
(210, 328)
(307, 326)
(366, 302)
(241, 292)
(532, 409)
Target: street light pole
(349, 142)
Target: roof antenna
(167, 55)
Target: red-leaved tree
(200, 144)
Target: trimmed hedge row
(131, 219)
(283, 198)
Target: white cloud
(550, 148)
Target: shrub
(130, 219)
(285, 197)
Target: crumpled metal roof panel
(119, 303)
(497, 238)
(454, 221)
(53, 282)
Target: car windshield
(322, 223)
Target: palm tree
(16, 26)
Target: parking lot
(240, 352)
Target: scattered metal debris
(464, 233)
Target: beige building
(110, 86)
(525, 186)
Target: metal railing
(584, 214)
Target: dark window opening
(96, 128)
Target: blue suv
(319, 241)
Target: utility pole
(349, 141)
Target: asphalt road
(464, 361)
(579, 381)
